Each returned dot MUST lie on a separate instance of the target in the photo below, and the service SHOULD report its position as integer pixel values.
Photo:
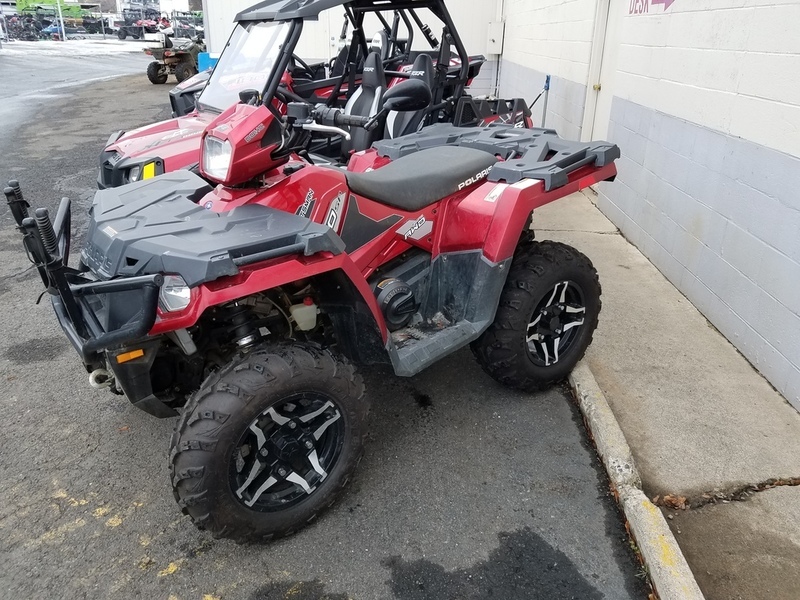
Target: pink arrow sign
(666, 3)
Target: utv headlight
(145, 171)
(175, 294)
(216, 157)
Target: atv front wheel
(156, 73)
(122, 34)
(268, 442)
(184, 70)
(546, 317)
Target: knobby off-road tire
(155, 73)
(122, 34)
(545, 319)
(261, 408)
(184, 70)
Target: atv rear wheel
(546, 317)
(268, 442)
(184, 70)
(156, 73)
(122, 34)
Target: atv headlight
(175, 294)
(133, 173)
(216, 157)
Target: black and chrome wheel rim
(555, 324)
(287, 452)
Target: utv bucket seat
(403, 123)
(366, 102)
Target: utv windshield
(245, 64)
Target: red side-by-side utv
(269, 30)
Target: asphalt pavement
(467, 490)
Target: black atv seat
(417, 180)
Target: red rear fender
(493, 215)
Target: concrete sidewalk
(706, 429)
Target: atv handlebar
(338, 118)
(327, 119)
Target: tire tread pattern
(213, 407)
(501, 350)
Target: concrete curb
(666, 565)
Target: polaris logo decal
(417, 229)
(249, 137)
(334, 218)
(307, 206)
(474, 179)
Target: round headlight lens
(175, 294)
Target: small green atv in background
(171, 59)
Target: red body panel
(176, 141)
(261, 277)
(487, 215)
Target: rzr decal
(308, 205)
(474, 179)
(416, 230)
(334, 218)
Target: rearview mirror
(412, 94)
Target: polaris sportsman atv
(245, 308)
(268, 31)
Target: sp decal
(334, 218)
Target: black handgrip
(341, 119)
(16, 203)
(46, 231)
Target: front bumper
(101, 319)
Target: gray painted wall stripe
(718, 216)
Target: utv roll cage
(405, 11)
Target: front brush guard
(71, 291)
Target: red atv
(261, 54)
(244, 308)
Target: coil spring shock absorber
(243, 326)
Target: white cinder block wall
(705, 105)
(549, 37)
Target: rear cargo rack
(527, 153)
